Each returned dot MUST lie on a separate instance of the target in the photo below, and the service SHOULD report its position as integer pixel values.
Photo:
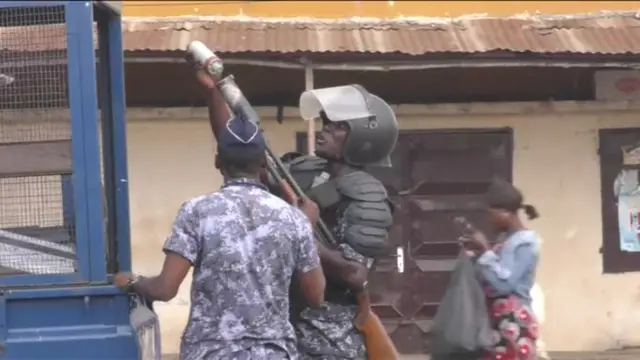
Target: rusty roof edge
(398, 20)
(613, 33)
(405, 65)
(401, 110)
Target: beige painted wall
(556, 165)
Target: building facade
(171, 157)
(482, 89)
(520, 140)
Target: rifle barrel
(322, 230)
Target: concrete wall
(556, 165)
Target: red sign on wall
(628, 84)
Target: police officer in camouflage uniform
(244, 244)
(359, 130)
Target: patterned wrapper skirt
(515, 329)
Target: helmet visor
(340, 103)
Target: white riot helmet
(373, 128)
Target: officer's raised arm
(218, 110)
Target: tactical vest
(358, 197)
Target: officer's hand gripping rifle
(379, 345)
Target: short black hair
(241, 162)
(504, 196)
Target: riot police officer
(359, 130)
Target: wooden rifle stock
(378, 343)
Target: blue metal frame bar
(7, 281)
(114, 135)
(78, 131)
(61, 292)
(68, 212)
(3, 318)
(83, 100)
(119, 128)
(104, 73)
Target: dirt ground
(404, 357)
(607, 355)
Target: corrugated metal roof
(606, 33)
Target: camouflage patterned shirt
(245, 245)
(328, 333)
